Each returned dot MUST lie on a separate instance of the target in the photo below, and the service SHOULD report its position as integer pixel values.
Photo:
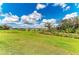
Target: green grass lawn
(23, 42)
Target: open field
(23, 42)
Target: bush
(70, 30)
(1, 27)
(77, 31)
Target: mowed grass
(14, 42)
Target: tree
(49, 26)
(69, 25)
(5, 27)
(1, 27)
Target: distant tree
(49, 26)
(76, 22)
(69, 25)
(5, 27)
(1, 27)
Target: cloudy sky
(35, 14)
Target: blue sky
(48, 11)
(26, 8)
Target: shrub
(70, 30)
(77, 31)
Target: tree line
(70, 25)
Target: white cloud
(77, 5)
(40, 6)
(67, 8)
(42, 24)
(10, 18)
(51, 21)
(1, 3)
(31, 18)
(21, 25)
(62, 5)
(71, 15)
(27, 19)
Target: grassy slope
(22, 42)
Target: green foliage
(77, 30)
(4, 27)
(1, 27)
(69, 25)
(70, 30)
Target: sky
(31, 15)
